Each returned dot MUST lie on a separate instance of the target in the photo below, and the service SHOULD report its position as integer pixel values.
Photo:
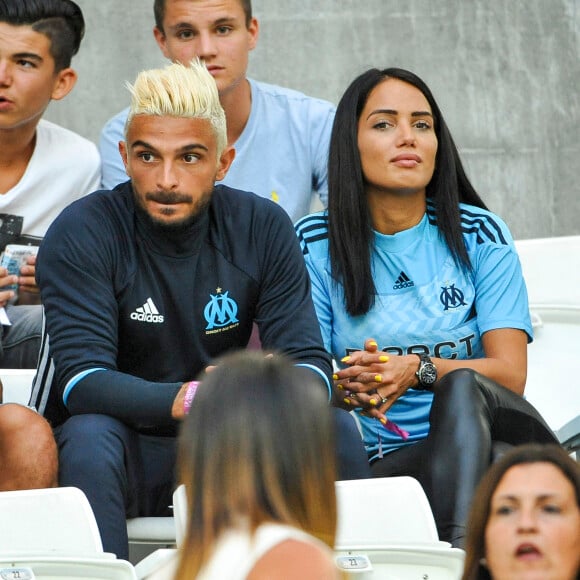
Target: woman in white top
(256, 455)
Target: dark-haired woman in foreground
(420, 296)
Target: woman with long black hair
(420, 296)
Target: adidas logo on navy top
(403, 282)
(147, 313)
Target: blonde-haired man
(166, 93)
(145, 285)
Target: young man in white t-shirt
(43, 168)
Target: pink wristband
(189, 395)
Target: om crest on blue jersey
(451, 297)
(220, 311)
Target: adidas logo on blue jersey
(147, 313)
(403, 281)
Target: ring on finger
(384, 400)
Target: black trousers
(471, 415)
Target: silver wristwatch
(426, 373)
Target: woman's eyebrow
(395, 112)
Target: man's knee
(26, 322)
(21, 341)
(345, 423)
(22, 425)
(92, 443)
(28, 453)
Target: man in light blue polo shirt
(281, 136)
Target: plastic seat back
(56, 521)
(400, 513)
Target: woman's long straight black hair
(350, 224)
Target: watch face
(428, 374)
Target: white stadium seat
(52, 533)
(551, 268)
(399, 540)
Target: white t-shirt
(64, 167)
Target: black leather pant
(470, 417)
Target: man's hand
(28, 291)
(27, 280)
(6, 280)
(178, 408)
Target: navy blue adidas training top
(153, 308)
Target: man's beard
(172, 197)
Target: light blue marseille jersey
(425, 303)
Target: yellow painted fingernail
(345, 359)
(335, 377)
(383, 421)
(373, 343)
(341, 387)
(346, 400)
(378, 379)
(384, 358)
(373, 401)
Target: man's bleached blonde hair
(182, 91)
